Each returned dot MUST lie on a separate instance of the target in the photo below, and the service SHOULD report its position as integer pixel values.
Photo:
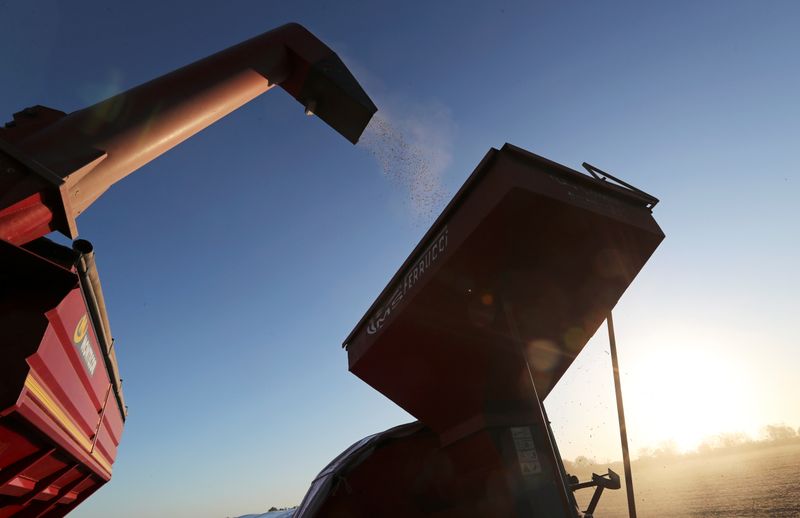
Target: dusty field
(758, 482)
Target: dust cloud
(411, 161)
(747, 480)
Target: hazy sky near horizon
(235, 265)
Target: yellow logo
(81, 339)
(80, 330)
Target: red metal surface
(76, 157)
(493, 306)
(413, 475)
(59, 430)
(61, 405)
(554, 247)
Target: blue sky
(236, 264)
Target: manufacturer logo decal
(81, 340)
(431, 254)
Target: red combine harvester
(62, 409)
(474, 331)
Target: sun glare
(680, 396)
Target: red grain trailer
(63, 408)
(473, 332)
(61, 404)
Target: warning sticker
(526, 451)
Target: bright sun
(684, 395)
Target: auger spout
(58, 164)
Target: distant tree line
(772, 435)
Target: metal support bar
(598, 492)
(570, 493)
(45, 483)
(12, 471)
(623, 431)
(601, 175)
(54, 502)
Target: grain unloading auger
(58, 164)
(61, 404)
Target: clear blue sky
(235, 265)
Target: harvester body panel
(493, 306)
(60, 420)
(61, 404)
(526, 239)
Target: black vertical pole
(623, 431)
